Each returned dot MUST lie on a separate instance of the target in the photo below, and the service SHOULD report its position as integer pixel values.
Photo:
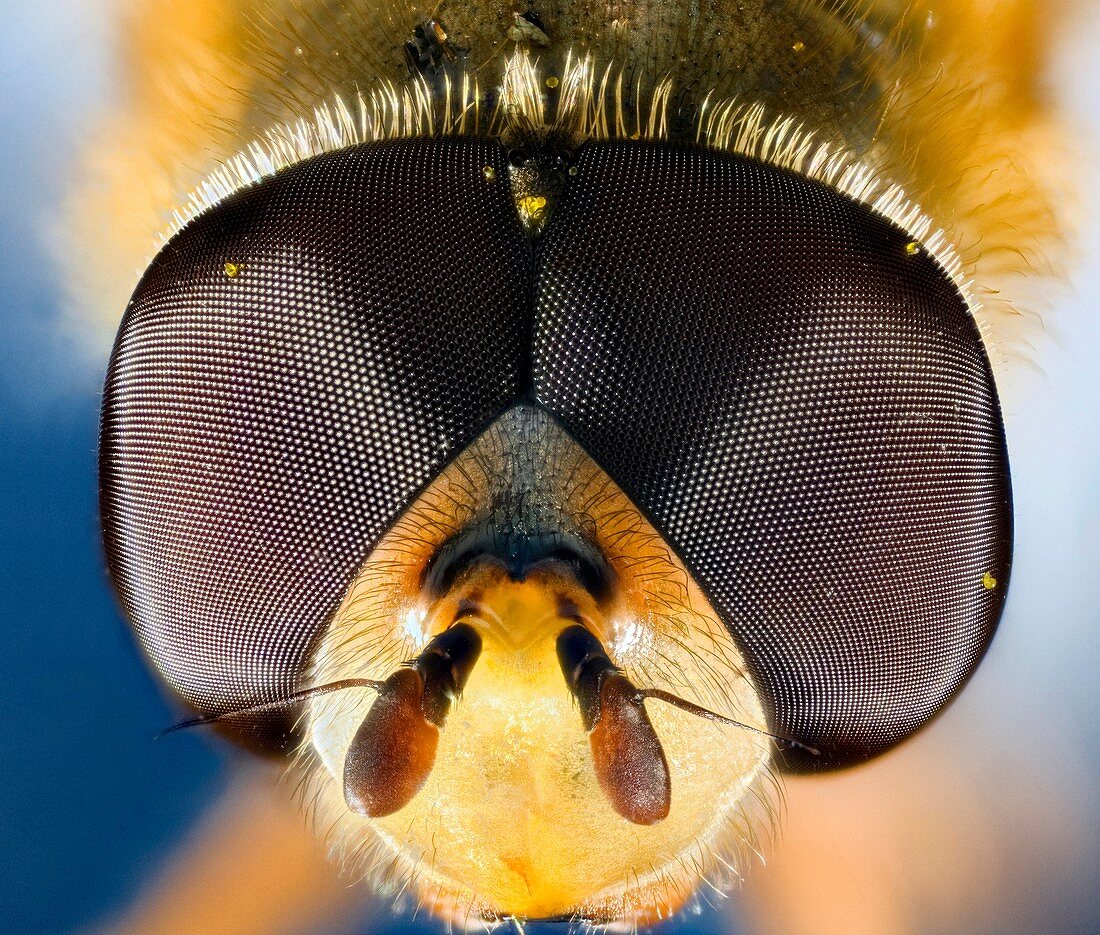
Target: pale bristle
(747, 130)
(388, 112)
(587, 107)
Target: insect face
(544, 453)
(524, 769)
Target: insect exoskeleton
(550, 448)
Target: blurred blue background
(86, 800)
(90, 805)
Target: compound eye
(293, 368)
(791, 389)
(796, 395)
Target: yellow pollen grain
(532, 206)
(912, 248)
(552, 82)
(988, 581)
(490, 173)
(232, 270)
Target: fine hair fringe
(748, 130)
(589, 104)
(587, 107)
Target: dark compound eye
(793, 393)
(293, 368)
(798, 398)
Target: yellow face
(512, 818)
